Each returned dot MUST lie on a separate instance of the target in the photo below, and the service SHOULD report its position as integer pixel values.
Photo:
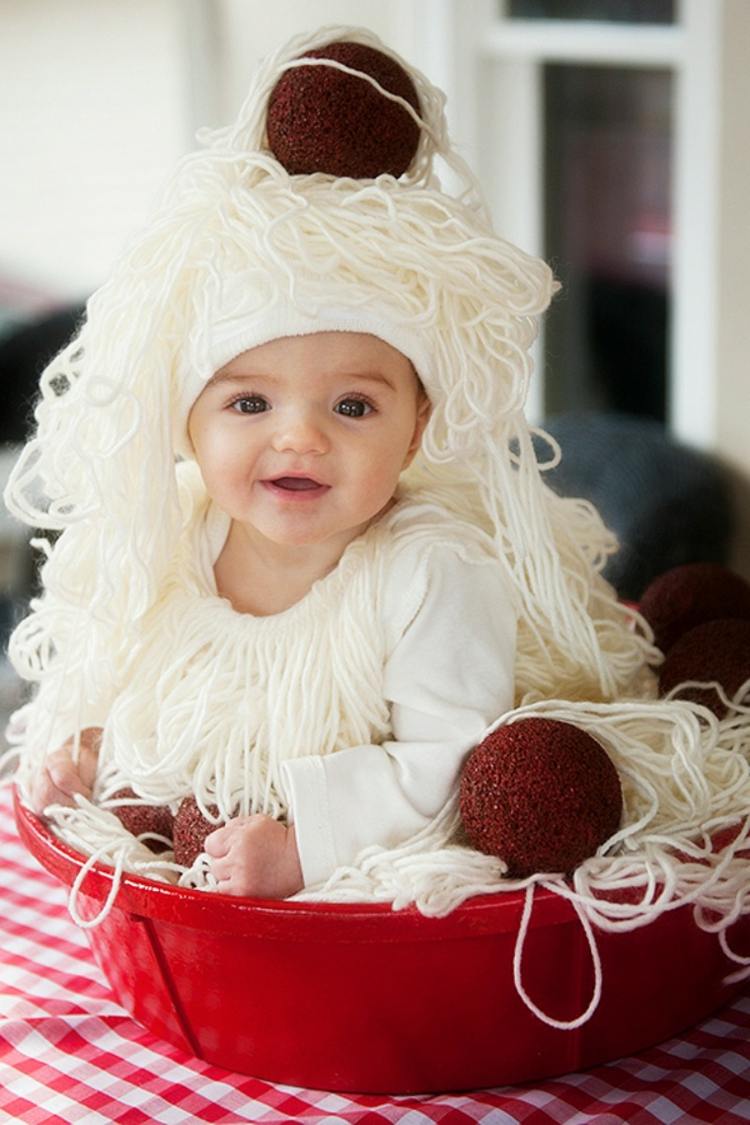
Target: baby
(307, 557)
(301, 442)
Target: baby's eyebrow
(235, 377)
(243, 377)
(368, 377)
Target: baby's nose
(300, 432)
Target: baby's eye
(353, 407)
(250, 404)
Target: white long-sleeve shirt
(449, 675)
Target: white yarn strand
(551, 1021)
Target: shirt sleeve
(449, 676)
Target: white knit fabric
(241, 321)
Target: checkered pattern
(69, 1053)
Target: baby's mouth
(296, 488)
(296, 484)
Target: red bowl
(357, 997)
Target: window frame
(485, 60)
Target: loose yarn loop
(97, 833)
(77, 887)
(551, 1021)
(335, 64)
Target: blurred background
(611, 137)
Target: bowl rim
(499, 912)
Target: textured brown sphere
(716, 650)
(540, 794)
(690, 595)
(190, 831)
(322, 120)
(144, 818)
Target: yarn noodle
(562, 1025)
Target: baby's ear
(424, 405)
(424, 409)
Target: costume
(242, 252)
(349, 714)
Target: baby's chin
(302, 536)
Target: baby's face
(303, 439)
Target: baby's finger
(229, 887)
(64, 774)
(216, 844)
(44, 792)
(222, 871)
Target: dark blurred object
(25, 350)
(628, 327)
(16, 585)
(24, 354)
(618, 11)
(667, 504)
(608, 175)
(684, 597)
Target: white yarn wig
(241, 251)
(239, 242)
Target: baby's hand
(61, 777)
(255, 855)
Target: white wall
(98, 99)
(93, 114)
(251, 30)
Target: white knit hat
(231, 337)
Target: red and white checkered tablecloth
(69, 1053)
